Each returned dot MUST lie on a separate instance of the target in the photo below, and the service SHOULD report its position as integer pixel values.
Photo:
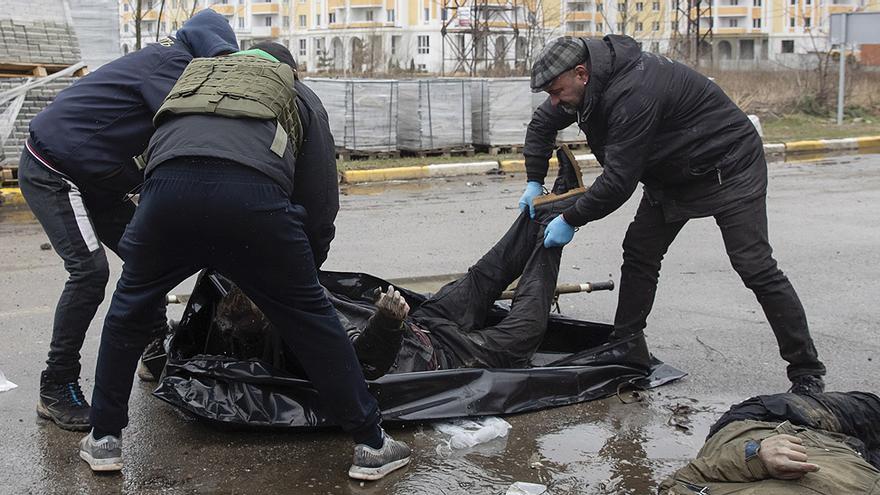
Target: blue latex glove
(558, 233)
(533, 190)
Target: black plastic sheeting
(249, 392)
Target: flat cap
(557, 57)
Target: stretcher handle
(569, 289)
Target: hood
(607, 56)
(208, 34)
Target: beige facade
(501, 37)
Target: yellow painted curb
(868, 142)
(11, 196)
(519, 165)
(383, 174)
(801, 146)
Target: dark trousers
(465, 303)
(77, 223)
(744, 231)
(239, 222)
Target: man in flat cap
(652, 120)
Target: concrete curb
(514, 166)
(11, 196)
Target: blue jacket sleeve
(156, 87)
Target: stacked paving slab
(34, 32)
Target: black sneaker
(373, 464)
(64, 404)
(807, 385)
(104, 454)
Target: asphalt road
(824, 228)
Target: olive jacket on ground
(721, 467)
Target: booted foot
(373, 464)
(144, 373)
(104, 454)
(64, 404)
(807, 384)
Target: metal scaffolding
(470, 27)
(694, 41)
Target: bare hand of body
(785, 457)
(391, 304)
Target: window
(424, 44)
(621, 7)
(285, 21)
(734, 2)
(303, 48)
(369, 15)
(808, 2)
(599, 6)
(319, 46)
(331, 18)
(241, 23)
(787, 46)
(793, 2)
(302, 21)
(655, 26)
(807, 22)
(395, 42)
(674, 25)
(655, 6)
(655, 46)
(268, 21)
(733, 23)
(302, 2)
(600, 27)
(125, 28)
(389, 15)
(423, 68)
(756, 23)
(317, 19)
(791, 22)
(756, 3)
(427, 14)
(638, 26)
(640, 6)
(125, 9)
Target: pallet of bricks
(436, 120)
(363, 115)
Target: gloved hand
(533, 190)
(558, 233)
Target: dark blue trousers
(196, 214)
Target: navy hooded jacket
(96, 126)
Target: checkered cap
(557, 57)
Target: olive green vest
(244, 86)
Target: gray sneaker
(373, 464)
(102, 455)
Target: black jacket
(96, 126)
(648, 118)
(316, 181)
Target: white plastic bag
(523, 488)
(465, 433)
(5, 385)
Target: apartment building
(745, 33)
(474, 36)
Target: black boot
(63, 402)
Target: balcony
(580, 16)
(265, 32)
(223, 9)
(361, 25)
(265, 8)
(731, 10)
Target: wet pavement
(824, 228)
